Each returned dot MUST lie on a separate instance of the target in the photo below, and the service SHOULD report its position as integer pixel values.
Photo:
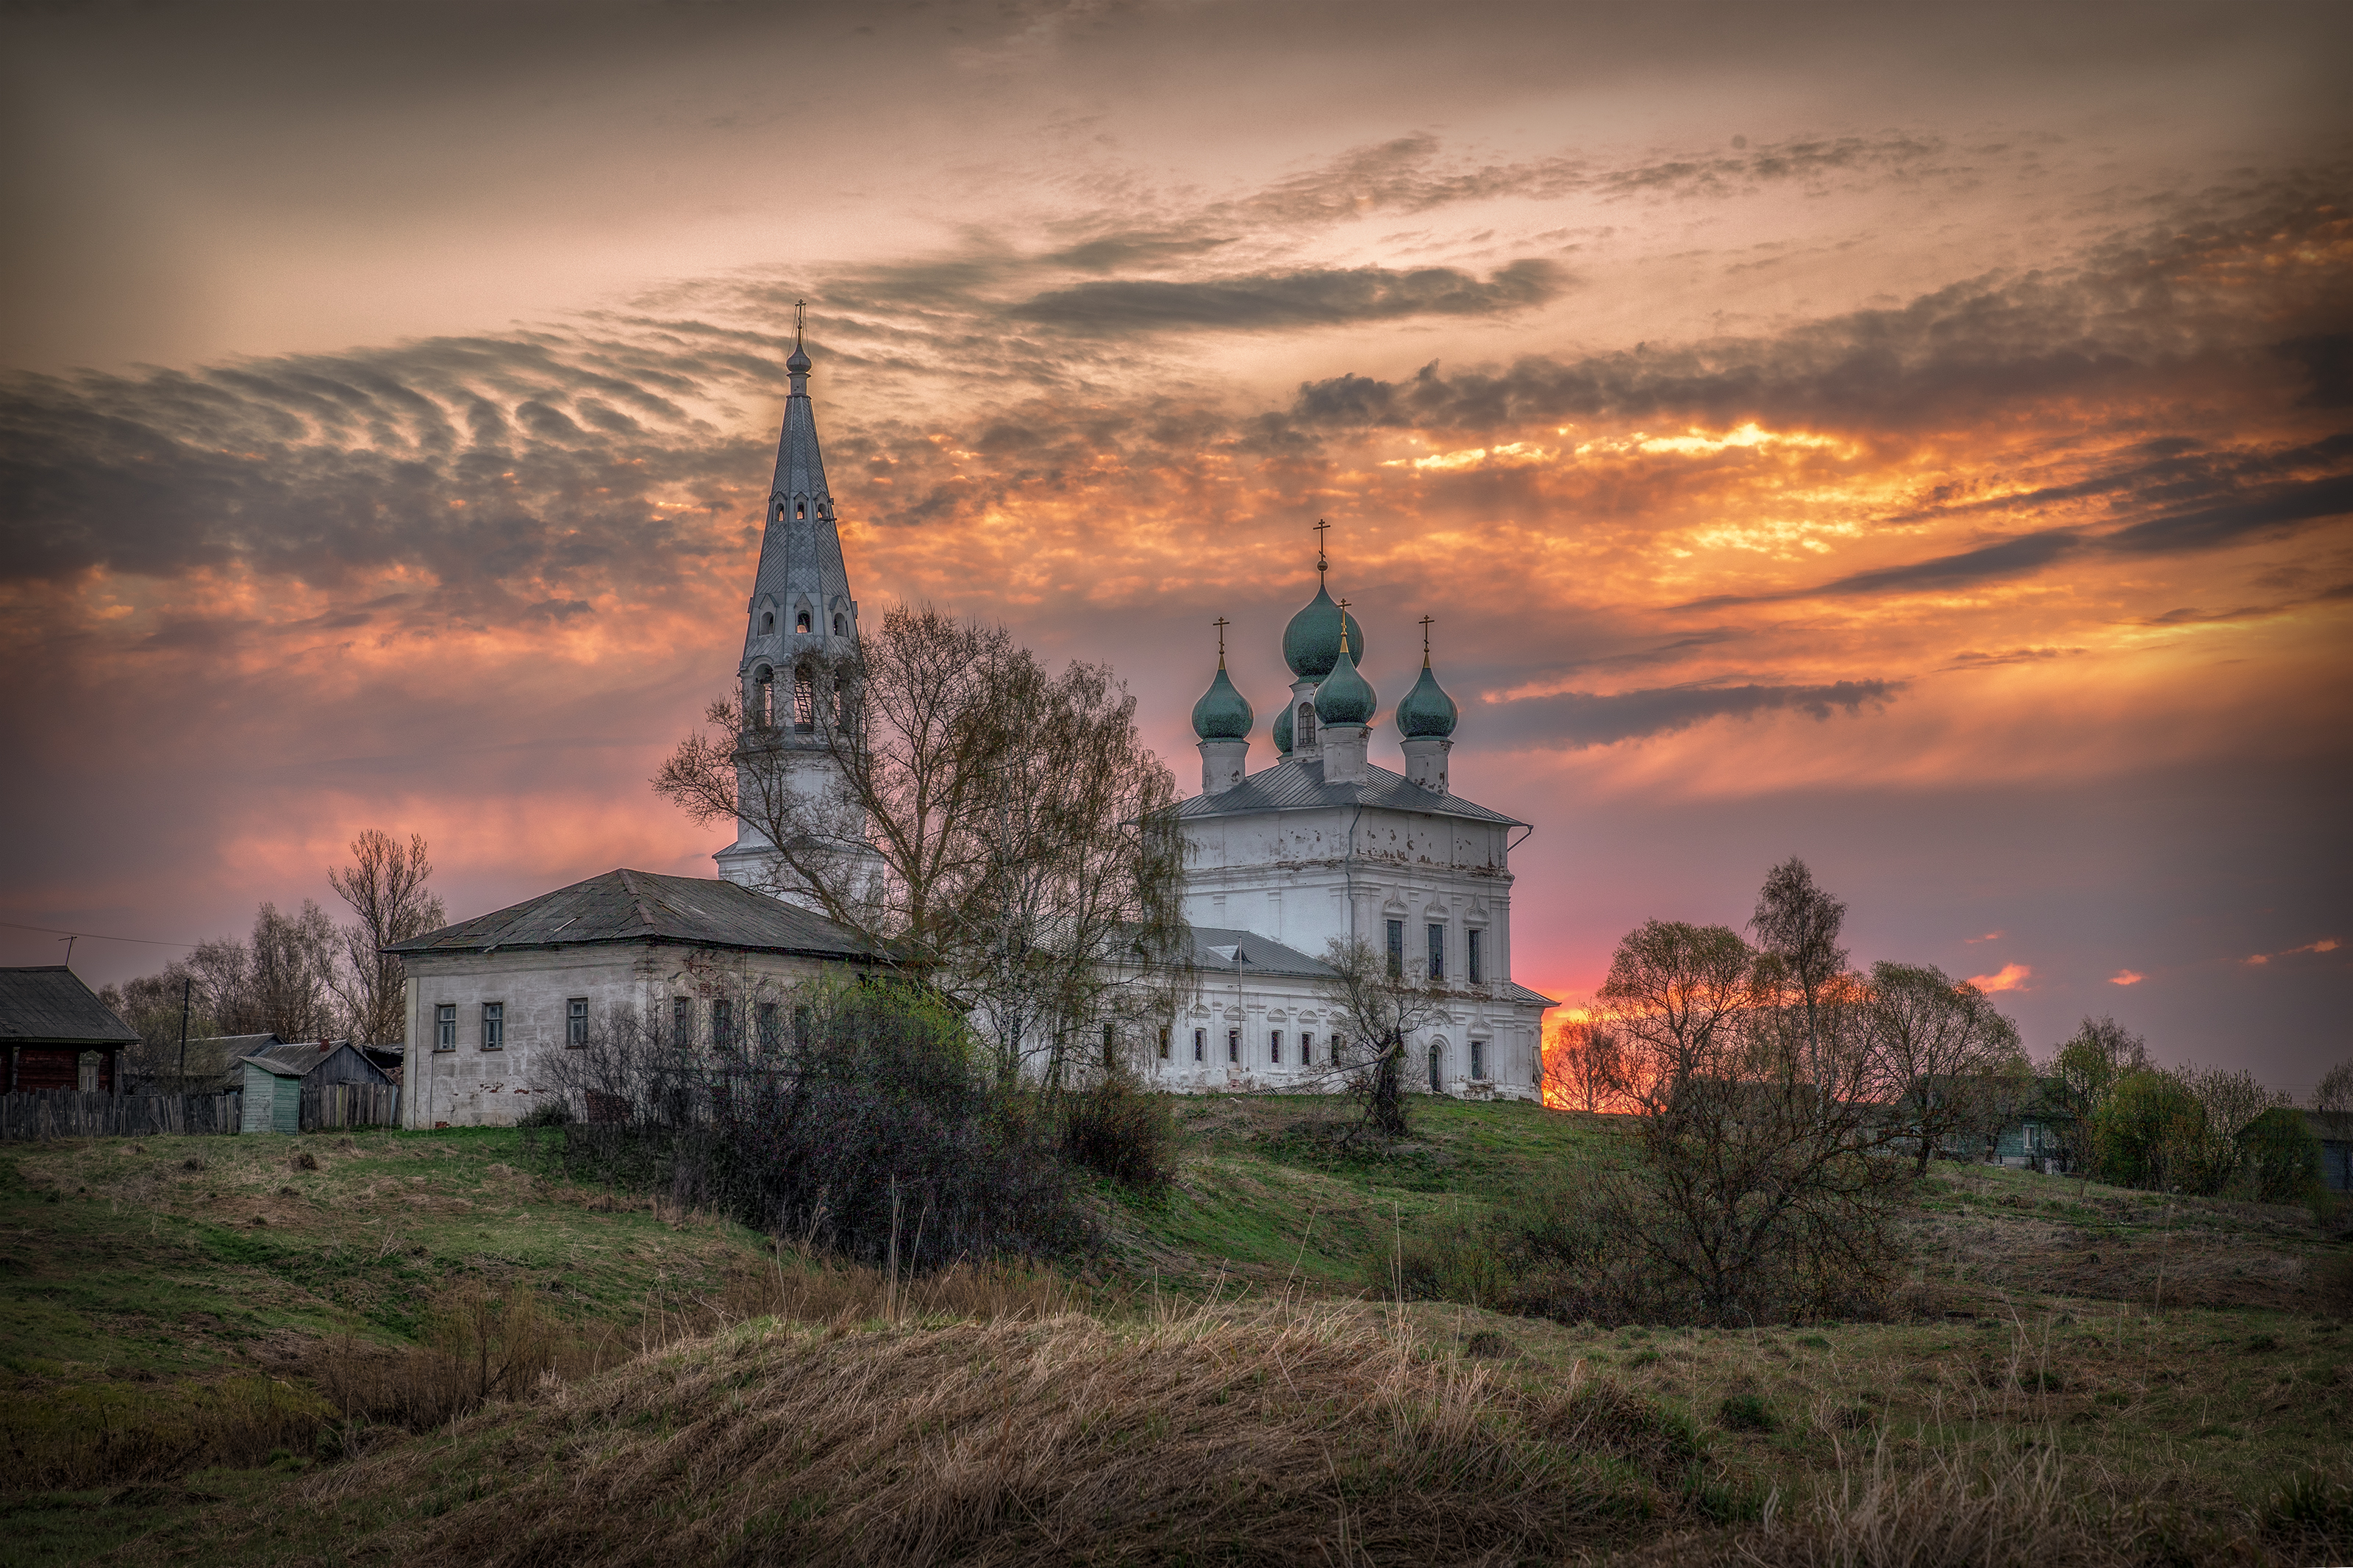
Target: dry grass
(1269, 1434)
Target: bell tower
(801, 634)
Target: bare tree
(293, 963)
(1586, 1068)
(2335, 1091)
(1798, 924)
(1952, 1062)
(1760, 1189)
(2230, 1099)
(1378, 1010)
(384, 886)
(1004, 830)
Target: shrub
(2283, 1157)
(872, 1128)
(551, 1111)
(2146, 1133)
(1122, 1134)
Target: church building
(1324, 844)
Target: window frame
(1478, 1060)
(494, 1026)
(1274, 1047)
(769, 1034)
(1395, 940)
(1307, 1048)
(1474, 968)
(722, 1023)
(1233, 1047)
(681, 1022)
(1435, 930)
(445, 1025)
(575, 1023)
(1200, 1045)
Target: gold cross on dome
(1323, 564)
(1426, 623)
(1221, 624)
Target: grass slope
(2174, 1363)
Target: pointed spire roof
(801, 571)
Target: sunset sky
(1915, 439)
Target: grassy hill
(2102, 1375)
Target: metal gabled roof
(646, 906)
(1215, 948)
(48, 1003)
(301, 1058)
(1297, 785)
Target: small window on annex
(1478, 1058)
(1200, 1045)
(681, 1022)
(576, 1022)
(1305, 728)
(722, 1023)
(1475, 971)
(494, 1026)
(1397, 948)
(1437, 952)
(1233, 1044)
(801, 621)
(770, 1036)
(445, 1027)
(1306, 1049)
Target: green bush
(2283, 1157)
(2146, 1133)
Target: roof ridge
(637, 897)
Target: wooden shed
(276, 1077)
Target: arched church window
(800, 509)
(1438, 1070)
(801, 622)
(1306, 726)
(804, 702)
(841, 624)
(767, 622)
(764, 697)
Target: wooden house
(59, 1035)
(276, 1076)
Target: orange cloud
(2008, 977)
(2326, 944)
(2126, 977)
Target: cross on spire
(800, 320)
(1425, 642)
(1323, 564)
(1344, 626)
(1221, 624)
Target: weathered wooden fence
(75, 1113)
(331, 1105)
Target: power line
(99, 936)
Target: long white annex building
(1324, 844)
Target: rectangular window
(1200, 1045)
(1478, 1058)
(1306, 1049)
(722, 1023)
(1164, 1042)
(576, 1022)
(1111, 1048)
(1397, 948)
(1274, 1047)
(494, 1026)
(1477, 966)
(445, 1027)
(1437, 953)
(681, 1022)
(769, 1039)
(1233, 1044)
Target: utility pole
(187, 980)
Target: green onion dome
(1345, 697)
(1223, 714)
(1427, 710)
(1283, 730)
(1310, 642)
